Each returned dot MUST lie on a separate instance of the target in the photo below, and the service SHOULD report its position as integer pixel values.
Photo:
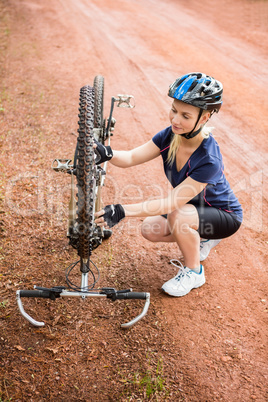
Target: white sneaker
(185, 280)
(206, 246)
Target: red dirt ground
(210, 345)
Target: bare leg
(180, 227)
(156, 229)
(183, 224)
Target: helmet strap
(193, 133)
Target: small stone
(226, 359)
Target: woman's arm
(178, 197)
(136, 156)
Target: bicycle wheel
(85, 173)
(99, 123)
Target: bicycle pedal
(125, 101)
(62, 165)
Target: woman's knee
(183, 218)
(153, 228)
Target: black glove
(103, 153)
(113, 214)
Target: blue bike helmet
(200, 90)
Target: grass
(150, 384)
(3, 304)
(153, 382)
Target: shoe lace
(182, 270)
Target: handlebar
(28, 293)
(136, 295)
(127, 295)
(110, 293)
(35, 293)
(131, 295)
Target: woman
(201, 209)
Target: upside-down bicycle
(83, 234)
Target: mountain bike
(83, 234)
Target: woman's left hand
(110, 216)
(103, 152)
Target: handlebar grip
(131, 295)
(35, 293)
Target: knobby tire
(85, 172)
(98, 105)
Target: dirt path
(210, 345)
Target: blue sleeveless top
(205, 165)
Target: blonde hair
(176, 141)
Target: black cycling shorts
(215, 223)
